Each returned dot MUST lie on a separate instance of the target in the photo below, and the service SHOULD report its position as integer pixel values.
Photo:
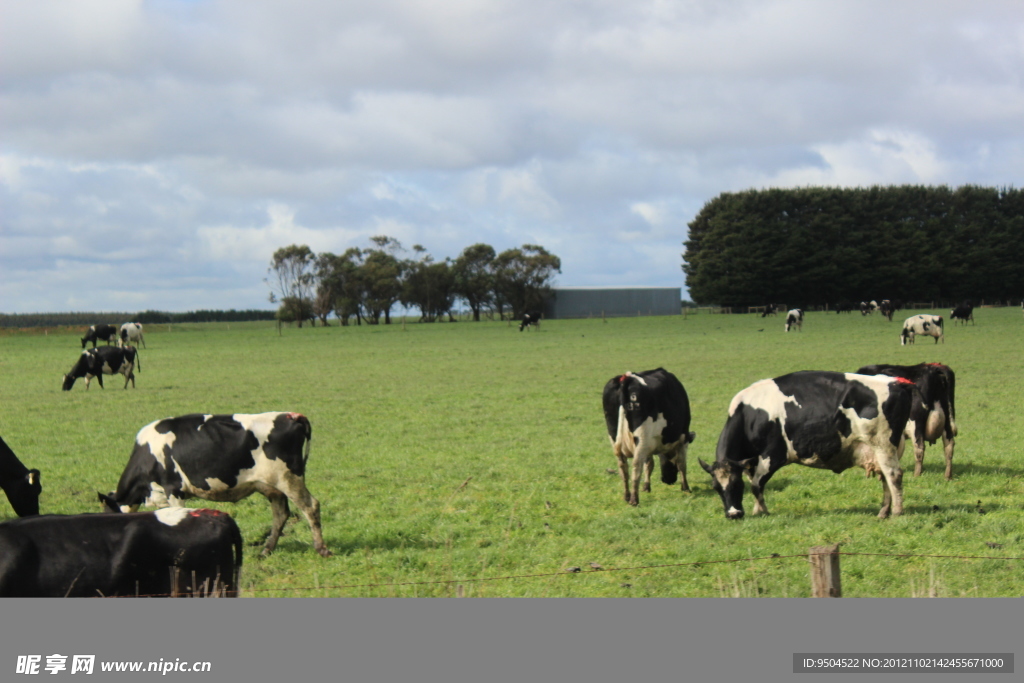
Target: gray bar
(910, 662)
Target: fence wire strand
(578, 571)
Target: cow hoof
(684, 488)
(646, 488)
(324, 552)
(634, 503)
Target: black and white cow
(648, 413)
(95, 333)
(795, 317)
(530, 318)
(109, 360)
(887, 308)
(933, 414)
(176, 551)
(19, 483)
(867, 307)
(828, 420)
(223, 458)
(769, 310)
(924, 324)
(131, 332)
(963, 313)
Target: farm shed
(592, 302)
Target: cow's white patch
(157, 496)
(156, 441)
(638, 378)
(765, 395)
(732, 511)
(172, 516)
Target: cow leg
(680, 462)
(279, 506)
(918, 455)
(623, 472)
(310, 507)
(648, 468)
(947, 449)
(640, 463)
(892, 490)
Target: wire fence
(574, 571)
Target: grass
(448, 456)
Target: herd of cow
(175, 550)
(829, 420)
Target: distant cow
(109, 360)
(844, 307)
(963, 313)
(768, 310)
(170, 552)
(934, 411)
(107, 333)
(530, 318)
(19, 483)
(827, 420)
(648, 413)
(795, 317)
(223, 458)
(887, 308)
(925, 324)
(131, 333)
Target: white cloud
(189, 140)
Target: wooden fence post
(825, 572)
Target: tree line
(364, 285)
(72, 319)
(818, 246)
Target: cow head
(69, 381)
(727, 479)
(110, 504)
(24, 494)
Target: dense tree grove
(819, 246)
(365, 284)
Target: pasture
(448, 455)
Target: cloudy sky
(155, 153)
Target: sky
(155, 153)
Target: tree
(381, 277)
(814, 246)
(523, 277)
(429, 286)
(290, 276)
(474, 279)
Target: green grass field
(450, 455)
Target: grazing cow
(19, 483)
(223, 458)
(530, 318)
(107, 333)
(768, 310)
(922, 324)
(887, 308)
(867, 307)
(104, 360)
(963, 313)
(934, 411)
(648, 413)
(795, 317)
(131, 332)
(172, 552)
(828, 420)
